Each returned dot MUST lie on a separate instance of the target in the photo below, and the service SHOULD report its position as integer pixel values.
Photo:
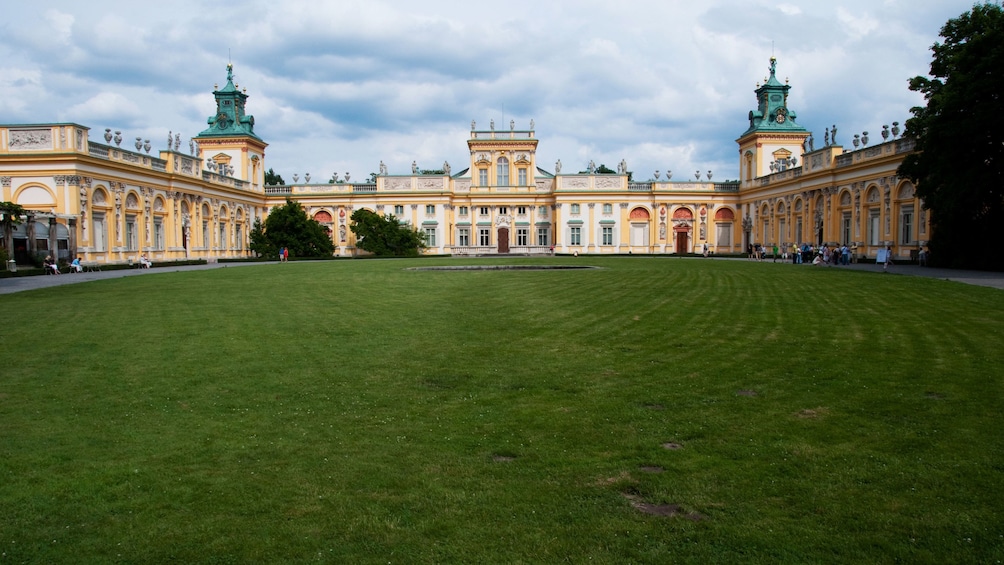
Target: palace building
(109, 203)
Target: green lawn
(358, 412)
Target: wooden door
(681, 242)
(503, 240)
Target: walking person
(888, 259)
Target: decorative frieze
(397, 184)
(431, 183)
(30, 139)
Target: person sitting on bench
(144, 262)
(51, 265)
(77, 267)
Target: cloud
(106, 106)
(342, 85)
(61, 25)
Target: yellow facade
(110, 204)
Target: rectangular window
(482, 177)
(575, 236)
(542, 238)
(430, 209)
(484, 237)
(463, 237)
(522, 176)
(846, 229)
(237, 237)
(503, 172)
(542, 211)
(430, 237)
(158, 235)
(608, 235)
(205, 234)
(223, 235)
(522, 235)
(724, 235)
(608, 209)
(463, 210)
(483, 210)
(575, 209)
(873, 231)
(521, 210)
(130, 233)
(398, 210)
(798, 231)
(99, 235)
(503, 210)
(906, 226)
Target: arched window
(502, 175)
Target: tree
(259, 241)
(959, 164)
(385, 235)
(273, 179)
(10, 216)
(288, 226)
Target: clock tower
(773, 141)
(230, 140)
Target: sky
(340, 86)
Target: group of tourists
(807, 253)
(821, 255)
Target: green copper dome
(230, 119)
(773, 115)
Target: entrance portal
(681, 242)
(503, 240)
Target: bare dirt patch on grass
(651, 469)
(672, 445)
(746, 392)
(812, 413)
(666, 510)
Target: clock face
(781, 116)
(221, 121)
